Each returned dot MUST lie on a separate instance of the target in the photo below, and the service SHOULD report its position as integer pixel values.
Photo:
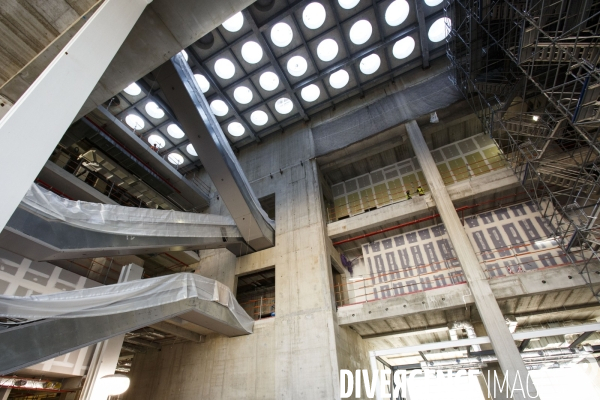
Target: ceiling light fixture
(281, 34)
(433, 3)
(224, 68)
(133, 89)
(234, 23)
(242, 95)
(314, 15)
(219, 108)
(113, 385)
(175, 158)
(327, 50)
(202, 82)
(259, 118)
(252, 52)
(191, 151)
(440, 29)
(297, 66)
(403, 47)
(396, 12)
(135, 122)
(154, 110)
(157, 141)
(361, 31)
(536, 118)
(339, 79)
(370, 64)
(348, 4)
(236, 129)
(184, 54)
(175, 131)
(284, 105)
(310, 93)
(269, 81)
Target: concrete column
(41, 116)
(106, 354)
(504, 346)
(4, 394)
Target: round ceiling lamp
(191, 150)
(339, 79)
(440, 29)
(297, 66)
(224, 68)
(134, 122)
(259, 118)
(327, 50)
(175, 158)
(184, 54)
(133, 89)
(175, 131)
(314, 15)
(370, 64)
(234, 23)
(281, 34)
(154, 110)
(433, 3)
(284, 105)
(157, 141)
(348, 4)
(113, 385)
(396, 12)
(219, 108)
(403, 47)
(242, 95)
(252, 52)
(236, 129)
(268, 81)
(310, 93)
(361, 31)
(202, 82)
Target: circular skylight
(313, 15)
(339, 79)
(433, 3)
(252, 52)
(184, 54)
(361, 31)
(175, 158)
(259, 118)
(202, 82)
(191, 150)
(348, 4)
(242, 95)
(284, 105)
(297, 66)
(370, 64)
(234, 23)
(440, 29)
(154, 110)
(310, 93)
(236, 129)
(135, 122)
(219, 108)
(327, 50)
(224, 68)
(281, 34)
(157, 141)
(133, 89)
(403, 47)
(175, 131)
(269, 81)
(396, 12)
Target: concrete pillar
(41, 116)
(4, 394)
(106, 354)
(504, 346)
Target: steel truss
(529, 69)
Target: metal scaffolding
(529, 69)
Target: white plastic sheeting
(123, 297)
(123, 220)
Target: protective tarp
(123, 297)
(122, 220)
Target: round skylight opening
(433, 3)
(259, 118)
(184, 54)
(370, 64)
(297, 66)
(313, 15)
(219, 108)
(284, 105)
(440, 29)
(339, 79)
(310, 93)
(135, 122)
(403, 47)
(133, 89)
(157, 141)
(175, 131)
(327, 50)
(361, 31)
(175, 158)
(191, 150)
(396, 12)
(236, 129)
(252, 52)
(224, 68)
(234, 23)
(281, 34)
(348, 4)
(269, 81)
(242, 95)
(154, 110)
(202, 82)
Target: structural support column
(39, 119)
(4, 393)
(501, 339)
(106, 354)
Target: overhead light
(202, 82)
(224, 68)
(370, 64)
(310, 93)
(154, 110)
(236, 129)
(133, 89)
(268, 81)
(361, 31)
(184, 54)
(242, 95)
(327, 50)
(281, 34)
(433, 3)
(234, 23)
(259, 118)
(175, 158)
(440, 29)
(191, 151)
(252, 52)
(175, 131)
(536, 118)
(396, 12)
(135, 122)
(113, 385)
(403, 47)
(348, 4)
(157, 141)
(313, 15)
(339, 79)
(219, 108)
(284, 105)
(297, 66)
